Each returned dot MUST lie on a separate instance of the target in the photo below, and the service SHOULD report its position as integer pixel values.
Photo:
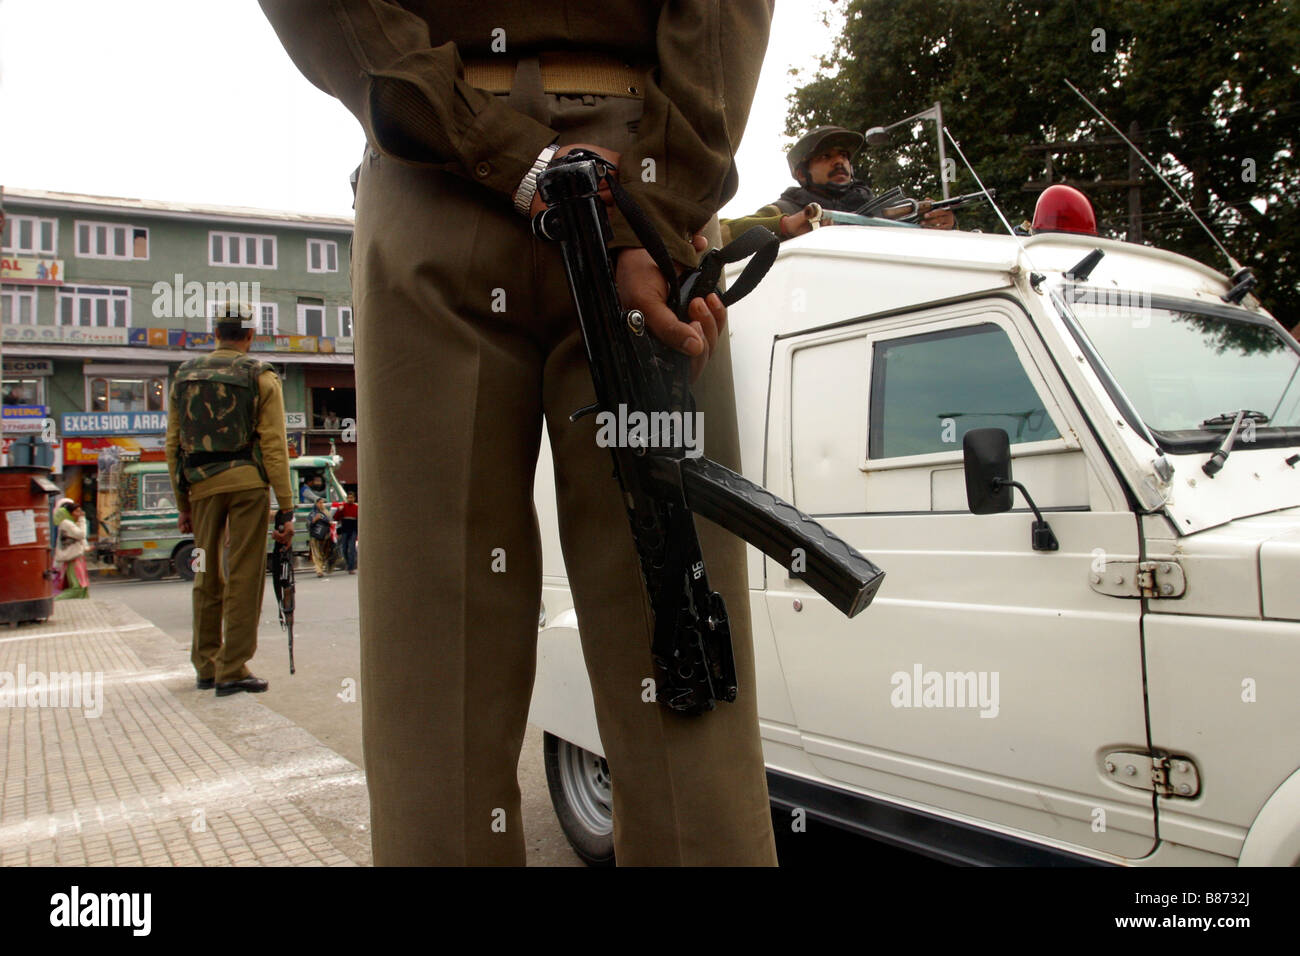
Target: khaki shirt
(397, 66)
(271, 438)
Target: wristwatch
(528, 185)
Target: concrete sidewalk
(150, 772)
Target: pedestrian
(346, 516)
(469, 342)
(319, 528)
(70, 555)
(225, 445)
(62, 511)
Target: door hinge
(1168, 775)
(1139, 579)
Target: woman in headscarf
(70, 556)
(322, 548)
(62, 512)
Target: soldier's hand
(642, 286)
(606, 196)
(283, 533)
(798, 223)
(185, 522)
(939, 219)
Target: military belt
(197, 459)
(575, 74)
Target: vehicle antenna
(1236, 266)
(1034, 277)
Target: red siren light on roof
(1064, 209)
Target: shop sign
(31, 271)
(22, 367)
(85, 451)
(25, 419)
(114, 423)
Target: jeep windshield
(1184, 366)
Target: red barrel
(26, 564)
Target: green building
(101, 299)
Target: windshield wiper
(1230, 418)
(1215, 464)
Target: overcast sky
(196, 101)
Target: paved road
(327, 658)
(327, 655)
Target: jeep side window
(928, 390)
(156, 493)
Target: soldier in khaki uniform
(466, 340)
(225, 442)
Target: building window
(241, 249)
(95, 306)
(311, 318)
(110, 393)
(30, 235)
(345, 321)
(111, 240)
(23, 391)
(322, 255)
(17, 305)
(267, 319)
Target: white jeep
(1129, 697)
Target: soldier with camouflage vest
(225, 444)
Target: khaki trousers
(465, 340)
(234, 595)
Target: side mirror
(986, 454)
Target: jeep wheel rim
(586, 781)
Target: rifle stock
(632, 371)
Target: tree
(1212, 85)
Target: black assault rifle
(282, 579)
(894, 205)
(633, 372)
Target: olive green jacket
(769, 217)
(396, 64)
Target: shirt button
(482, 170)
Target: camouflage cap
(823, 137)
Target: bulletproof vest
(216, 397)
(847, 198)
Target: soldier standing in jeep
(225, 444)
